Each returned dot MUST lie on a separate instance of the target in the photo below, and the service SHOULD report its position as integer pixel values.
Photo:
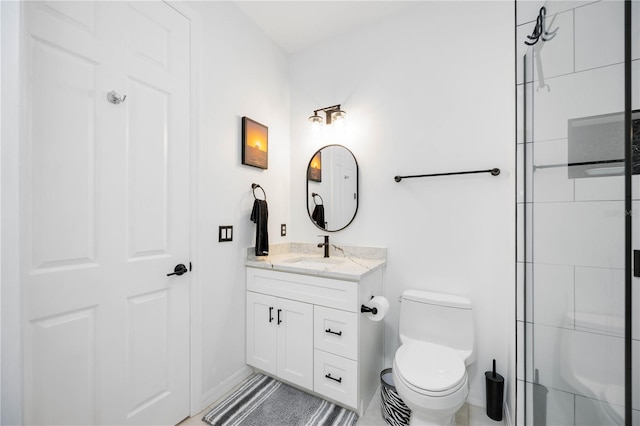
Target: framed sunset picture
(255, 144)
(314, 171)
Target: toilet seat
(430, 369)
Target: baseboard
(214, 394)
(478, 402)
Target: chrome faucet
(325, 245)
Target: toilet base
(417, 420)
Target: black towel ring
(253, 188)
(314, 195)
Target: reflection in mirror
(332, 188)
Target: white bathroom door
(105, 208)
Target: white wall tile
(551, 294)
(635, 311)
(520, 327)
(605, 188)
(527, 11)
(524, 129)
(635, 84)
(635, 30)
(635, 368)
(599, 29)
(520, 403)
(594, 92)
(524, 244)
(600, 298)
(547, 406)
(582, 234)
(553, 183)
(520, 283)
(591, 412)
(592, 363)
(544, 358)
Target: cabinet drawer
(318, 291)
(336, 332)
(336, 377)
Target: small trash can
(495, 393)
(394, 411)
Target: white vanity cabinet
(278, 337)
(323, 343)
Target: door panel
(105, 196)
(295, 342)
(262, 331)
(147, 154)
(63, 210)
(65, 347)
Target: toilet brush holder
(495, 393)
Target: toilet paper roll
(381, 304)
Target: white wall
(11, 373)
(430, 89)
(242, 73)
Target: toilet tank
(444, 319)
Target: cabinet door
(262, 332)
(295, 342)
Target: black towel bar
(494, 172)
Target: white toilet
(437, 345)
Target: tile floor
(468, 415)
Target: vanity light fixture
(333, 114)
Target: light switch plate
(225, 233)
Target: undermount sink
(315, 260)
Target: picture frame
(255, 144)
(315, 168)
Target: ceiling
(296, 25)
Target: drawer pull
(270, 313)
(337, 333)
(279, 320)
(328, 376)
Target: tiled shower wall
(570, 316)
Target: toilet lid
(429, 366)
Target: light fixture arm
(328, 112)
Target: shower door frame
(628, 223)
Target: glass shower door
(574, 215)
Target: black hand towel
(259, 216)
(318, 215)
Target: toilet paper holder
(365, 308)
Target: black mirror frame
(357, 187)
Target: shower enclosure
(578, 340)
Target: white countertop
(344, 262)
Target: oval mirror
(332, 188)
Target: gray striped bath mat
(264, 401)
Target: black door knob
(178, 270)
